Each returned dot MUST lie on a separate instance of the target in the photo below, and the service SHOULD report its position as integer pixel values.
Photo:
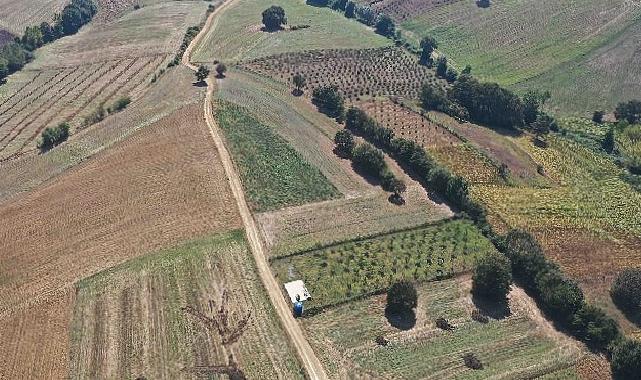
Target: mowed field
(74, 77)
(514, 41)
(161, 186)
(128, 322)
(16, 15)
(238, 34)
(520, 345)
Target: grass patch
(274, 174)
(348, 270)
(238, 33)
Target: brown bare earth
(157, 188)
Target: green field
(274, 175)
(513, 347)
(515, 41)
(238, 34)
(339, 272)
(133, 311)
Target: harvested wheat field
(159, 187)
(15, 15)
(128, 321)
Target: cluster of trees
(53, 136)
(383, 24)
(329, 101)
(274, 18)
(190, 34)
(15, 55)
(369, 161)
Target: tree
(451, 75)
(202, 73)
(328, 101)
(467, 70)
(32, 38)
(339, 5)
(594, 327)
(492, 278)
(526, 256)
(299, 82)
(609, 141)
(441, 66)
(597, 117)
(344, 143)
(401, 297)
(629, 111)
(221, 68)
(543, 124)
(626, 360)
(385, 26)
(560, 297)
(428, 45)
(626, 291)
(350, 10)
(274, 18)
(52, 137)
(433, 98)
(368, 159)
(48, 33)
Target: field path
(309, 360)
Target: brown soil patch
(161, 186)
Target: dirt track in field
(309, 360)
(159, 187)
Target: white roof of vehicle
(295, 288)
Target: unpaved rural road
(309, 360)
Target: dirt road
(309, 360)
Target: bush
(328, 101)
(594, 327)
(120, 104)
(368, 159)
(629, 111)
(401, 297)
(626, 360)
(526, 256)
(202, 73)
(344, 143)
(385, 26)
(472, 362)
(52, 137)
(479, 317)
(597, 116)
(560, 297)
(221, 69)
(626, 291)
(443, 324)
(492, 278)
(428, 44)
(274, 18)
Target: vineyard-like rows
(340, 272)
(67, 94)
(357, 74)
(401, 10)
(409, 124)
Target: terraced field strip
(15, 15)
(338, 273)
(363, 73)
(517, 346)
(128, 320)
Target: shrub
(120, 104)
(492, 277)
(221, 68)
(428, 44)
(479, 317)
(629, 111)
(471, 361)
(368, 159)
(443, 324)
(526, 256)
(594, 327)
(441, 66)
(597, 116)
(52, 137)
(274, 18)
(626, 360)
(202, 73)
(381, 340)
(560, 297)
(328, 101)
(385, 26)
(344, 143)
(626, 291)
(401, 297)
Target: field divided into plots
(67, 94)
(357, 73)
(128, 322)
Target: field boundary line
(312, 364)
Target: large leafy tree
(492, 278)
(401, 297)
(274, 18)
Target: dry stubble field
(157, 188)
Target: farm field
(141, 302)
(238, 35)
(516, 41)
(340, 272)
(357, 73)
(522, 345)
(302, 228)
(297, 121)
(74, 77)
(273, 174)
(158, 187)
(16, 15)
(587, 223)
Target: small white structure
(297, 288)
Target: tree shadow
(402, 320)
(201, 83)
(491, 308)
(317, 3)
(369, 178)
(297, 92)
(269, 30)
(632, 316)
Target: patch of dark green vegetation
(273, 173)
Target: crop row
(387, 71)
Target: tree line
(16, 54)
